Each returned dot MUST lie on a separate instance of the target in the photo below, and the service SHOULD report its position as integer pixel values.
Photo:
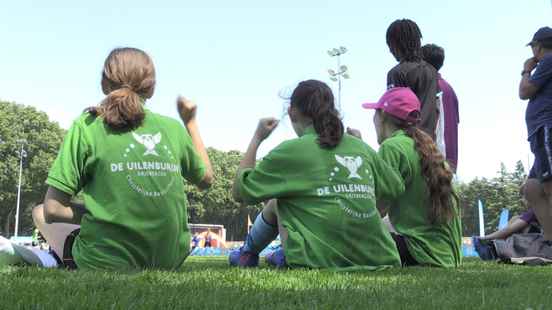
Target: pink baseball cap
(400, 102)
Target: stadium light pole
(340, 73)
(21, 153)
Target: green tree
(216, 205)
(500, 192)
(43, 139)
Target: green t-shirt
(326, 201)
(133, 188)
(436, 245)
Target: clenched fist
(186, 109)
(265, 128)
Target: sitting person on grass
(320, 189)
(525, 223)
(130, 164)
(424, 220)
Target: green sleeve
(388, 182)
(396, 160)
(193, 168)
(270, 178)
(68, 171)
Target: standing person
(321, 190)
(435, 56)
(130, 164)
(195, 241)
(536, 85)
(424, 220)
(208, 238)
(404, 41)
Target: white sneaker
(35, 257)
(8, 256)
(13, 254)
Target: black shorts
(67, 261)
(406, 257)
(541, 146)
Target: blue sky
(234, 58)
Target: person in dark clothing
(536, 85)
(404, 41)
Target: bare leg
(55, 234)
(539, 197)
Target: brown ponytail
(315, 100)
(128, 79)
(437, 174)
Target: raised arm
(187, 110)
(264, 129)
(527, 90)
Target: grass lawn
(208, 283)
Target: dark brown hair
(128, 79)
(434, 55)
(314, 99)
(437, 174)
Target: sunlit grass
(208, 283)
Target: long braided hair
(405, 39)
(436, 172)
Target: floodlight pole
(339, 82)
(341, 72)
(21, 154)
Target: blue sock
(260, 236)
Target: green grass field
(208, 283)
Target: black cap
(542, 34)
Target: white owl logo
(352, 164)
(149, 141)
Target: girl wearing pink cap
(424, 221)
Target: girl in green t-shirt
(424, 220)
(320, 190)
(130, 165)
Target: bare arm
(58, 208)
(187, 111)
(527, 90)
(516, 226)
(264, 129)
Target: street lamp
(21, 153)
(340, 72)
